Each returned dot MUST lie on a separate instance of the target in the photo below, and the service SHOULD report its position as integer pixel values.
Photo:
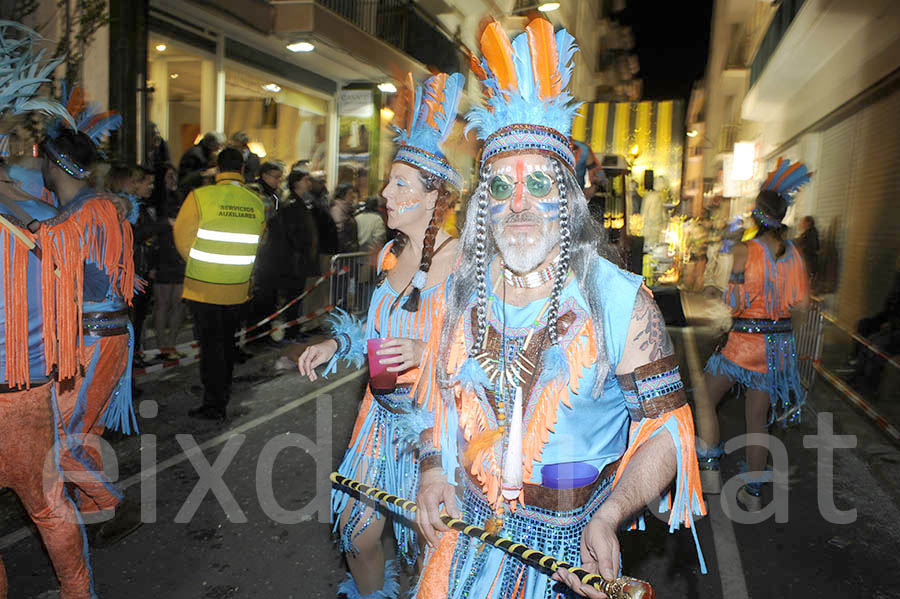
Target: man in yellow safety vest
(217, 231)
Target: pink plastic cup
(382, 381)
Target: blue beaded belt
(105, 324)
(762, 326)
(397, 402)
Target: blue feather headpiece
(528, 107)
(22, 72)
(89, 119)
(786, 179)
(428, 123)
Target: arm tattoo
(651, 336)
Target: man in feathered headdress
(39, 279)
(554, 372)
(101, 396)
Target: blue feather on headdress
(787, 178)
(433, 113)
(527, 96)
(22, 72)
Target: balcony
(776, 31)
(405, 26)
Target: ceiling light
(173, 76)
(387, 88)
(635, 150)
(301, 47)
(161, 47)
(257, 148)
(548, 6)
(272, 87)
(692, 133)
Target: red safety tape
(193, 344)
(191, 359)
(879, 420)
(856, 337)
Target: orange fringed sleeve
(108, 243)
(15, 289)
(62, 272)
(688, 495)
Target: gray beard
(524, 253)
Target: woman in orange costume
(420, 193)
(768, 279)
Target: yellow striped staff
(623, 587)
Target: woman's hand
(316, 355)
(402, 353)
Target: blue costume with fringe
(383, 447)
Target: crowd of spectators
(305, 225)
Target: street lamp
(387, 88)
(548, 6)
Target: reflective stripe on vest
(231, 222)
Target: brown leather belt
(561, 500)
(4, 388)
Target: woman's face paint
(404, 193)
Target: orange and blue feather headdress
(528, 106)
(23, 69)
(786, 179)
(88, 118)
(428, 123)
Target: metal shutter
(872, 210)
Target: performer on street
(549, 355)
(39, 336)
(102, 396)
(768, 280)
(405, 309)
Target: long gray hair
(581, 240)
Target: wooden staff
(623, 587)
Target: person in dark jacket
(808, 244)
(268, 186)
(284, 259)
(201, 157)
(342, 208)
(241, 141)
(168, 309)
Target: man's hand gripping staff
(623, 587)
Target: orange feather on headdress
(76, 101)
(407, 104)
(544, 58)
(498, 53)
(434, 98)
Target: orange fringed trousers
(82, 403)
(28, 467)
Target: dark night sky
(671, 41)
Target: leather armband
(653, 389)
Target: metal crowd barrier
(809, 344)
(352, 289)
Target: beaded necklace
(511, 376)
(532, 279)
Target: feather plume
(102, 125)
(409, 101)
(498, 53)
(23, 70)
(523, 62)
(75, 102)
(787, 178)
(544, 59)
(566, 48)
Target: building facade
(816, 81)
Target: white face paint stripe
(221, 258)
(211, 235)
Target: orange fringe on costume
(94, 232)
(688, 471)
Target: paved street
(252, 543)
